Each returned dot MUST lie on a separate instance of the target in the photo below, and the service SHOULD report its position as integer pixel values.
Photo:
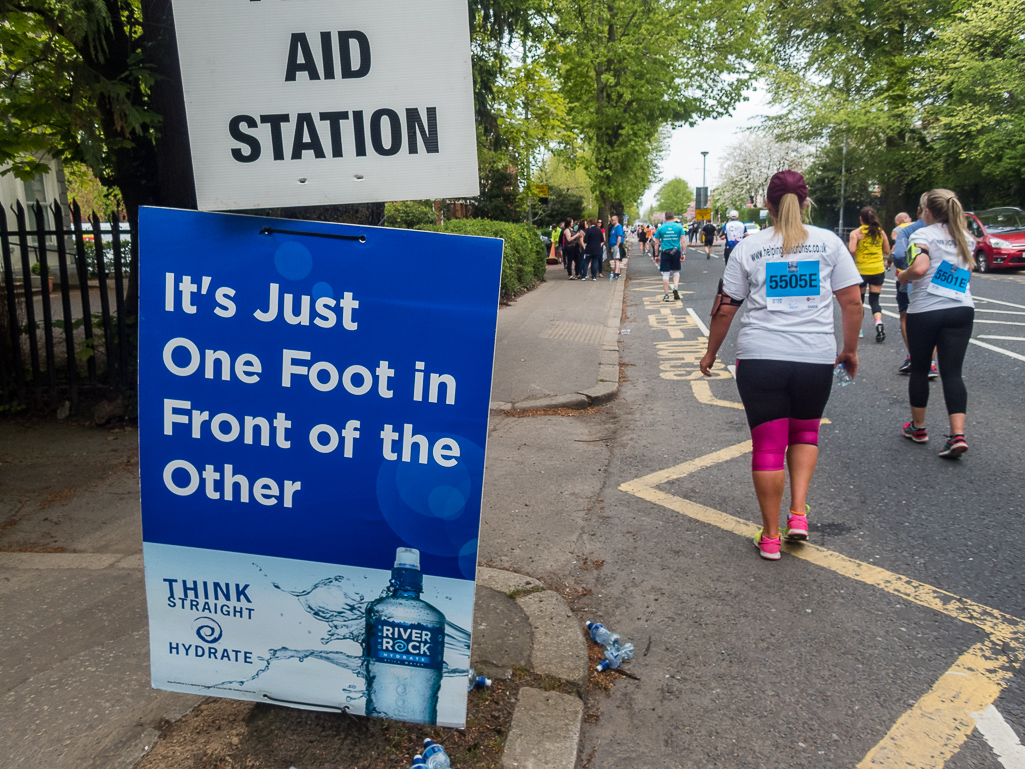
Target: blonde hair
(788, 222)
(946, 209)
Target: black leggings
(873, 299)
(783, 389)
(948, 331)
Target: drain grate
(585, 333)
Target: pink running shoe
(796, 529)
(768, 547)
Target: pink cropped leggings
(784, 401)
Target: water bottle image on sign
(404, 651)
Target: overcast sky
(686, 144)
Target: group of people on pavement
(583, 247)
(788, 274)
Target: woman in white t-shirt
(788, 274)
(941, 314)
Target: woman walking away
(868, 245)
(941, 313)
(786, 349)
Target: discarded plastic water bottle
(435, 756)
(615, 658)
(404, 650)
(843, 378)
(476, 681)
(603, 635)
(418, 762)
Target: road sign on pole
(301, 104)
(703, 213)
(701, 198)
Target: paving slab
(545, 731)
(502, 634)
(601, 393)
(552, 340)
(559, 646)
(567, 401)
(505, 581)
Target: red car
(1000, 238)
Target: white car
(751, 228)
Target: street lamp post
(704, 179)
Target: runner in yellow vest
(869, 245)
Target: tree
(565, 171)
(973, 86)
(499, 197)
(675, 195)
(627, 68)
(845, 73)
(493, 23)
(563, 205)
(750, 163)
(532, 115)
(90, 193)
(79, 82)
(96, 81)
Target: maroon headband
(786, 182)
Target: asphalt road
(877, 639)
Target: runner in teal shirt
(670, 233)
(670, 254)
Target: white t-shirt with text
(788, 309)
(952, 287)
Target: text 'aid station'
(312, 456)
(327, 101)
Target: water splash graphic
(337, 603)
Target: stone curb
(607, 386)
(545, 731)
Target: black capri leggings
(783, 389)
(947, 330)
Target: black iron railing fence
(64, 331)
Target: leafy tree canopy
(974, 90)
(675, 195)
(631, 69)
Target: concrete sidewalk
(74, 677)
(558, 345)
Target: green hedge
(752, 215)
(523, 261)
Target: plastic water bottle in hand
(435, 756)
(843, 378)
(616, 657)
(476, 682)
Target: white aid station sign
(311, 102)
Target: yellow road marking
(934, 729)
(703, 392)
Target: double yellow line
(933, 730)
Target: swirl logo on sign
(207, 630)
